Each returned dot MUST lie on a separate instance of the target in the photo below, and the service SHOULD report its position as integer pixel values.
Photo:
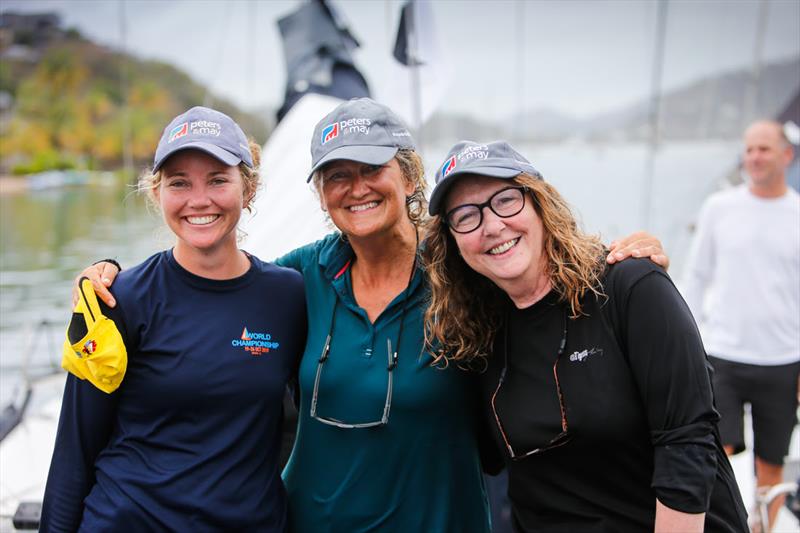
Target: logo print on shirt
(255, 343)
(584, 354)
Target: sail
(286, 213)
(317, 48)
(320, 74)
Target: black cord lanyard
(393, 364)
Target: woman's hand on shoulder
(639, 244)
(101, 275)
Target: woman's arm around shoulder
(296, 258)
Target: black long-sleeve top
(638, 403)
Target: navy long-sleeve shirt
(190, 440)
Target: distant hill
(708, 108)
(62, 100)
(714, 107)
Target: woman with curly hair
(593, 378)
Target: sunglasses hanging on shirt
(390, 367)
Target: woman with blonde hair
(593, 378)
(187, 434)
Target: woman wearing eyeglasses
(384, 441)
(596, 383)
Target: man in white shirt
(746, 253)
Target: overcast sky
(576, 57)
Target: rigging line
(127, 153)
(252, 37)
(520, 33)
(752, 101)
(655, 104)
(228, 9)
(415, 63)
(707, 123)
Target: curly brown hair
(466, 308)
(413, 170)
(150, 181)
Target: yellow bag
(94, 348)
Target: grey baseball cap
(207, 130)
(495, 159)
(359, 130)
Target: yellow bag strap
(90, 308)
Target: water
(46, 238)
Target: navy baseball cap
(496, 159)
(359, 130)
(206, 130)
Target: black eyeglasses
(560, 439)
(391, 365)
(504, 203)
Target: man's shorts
(772, 393)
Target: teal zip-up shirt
(420, 472)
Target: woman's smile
(363, 207)
(201, 220)
(504, 247)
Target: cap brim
(440, 191)
(214, 151)
(370, 155)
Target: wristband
(112, 261)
